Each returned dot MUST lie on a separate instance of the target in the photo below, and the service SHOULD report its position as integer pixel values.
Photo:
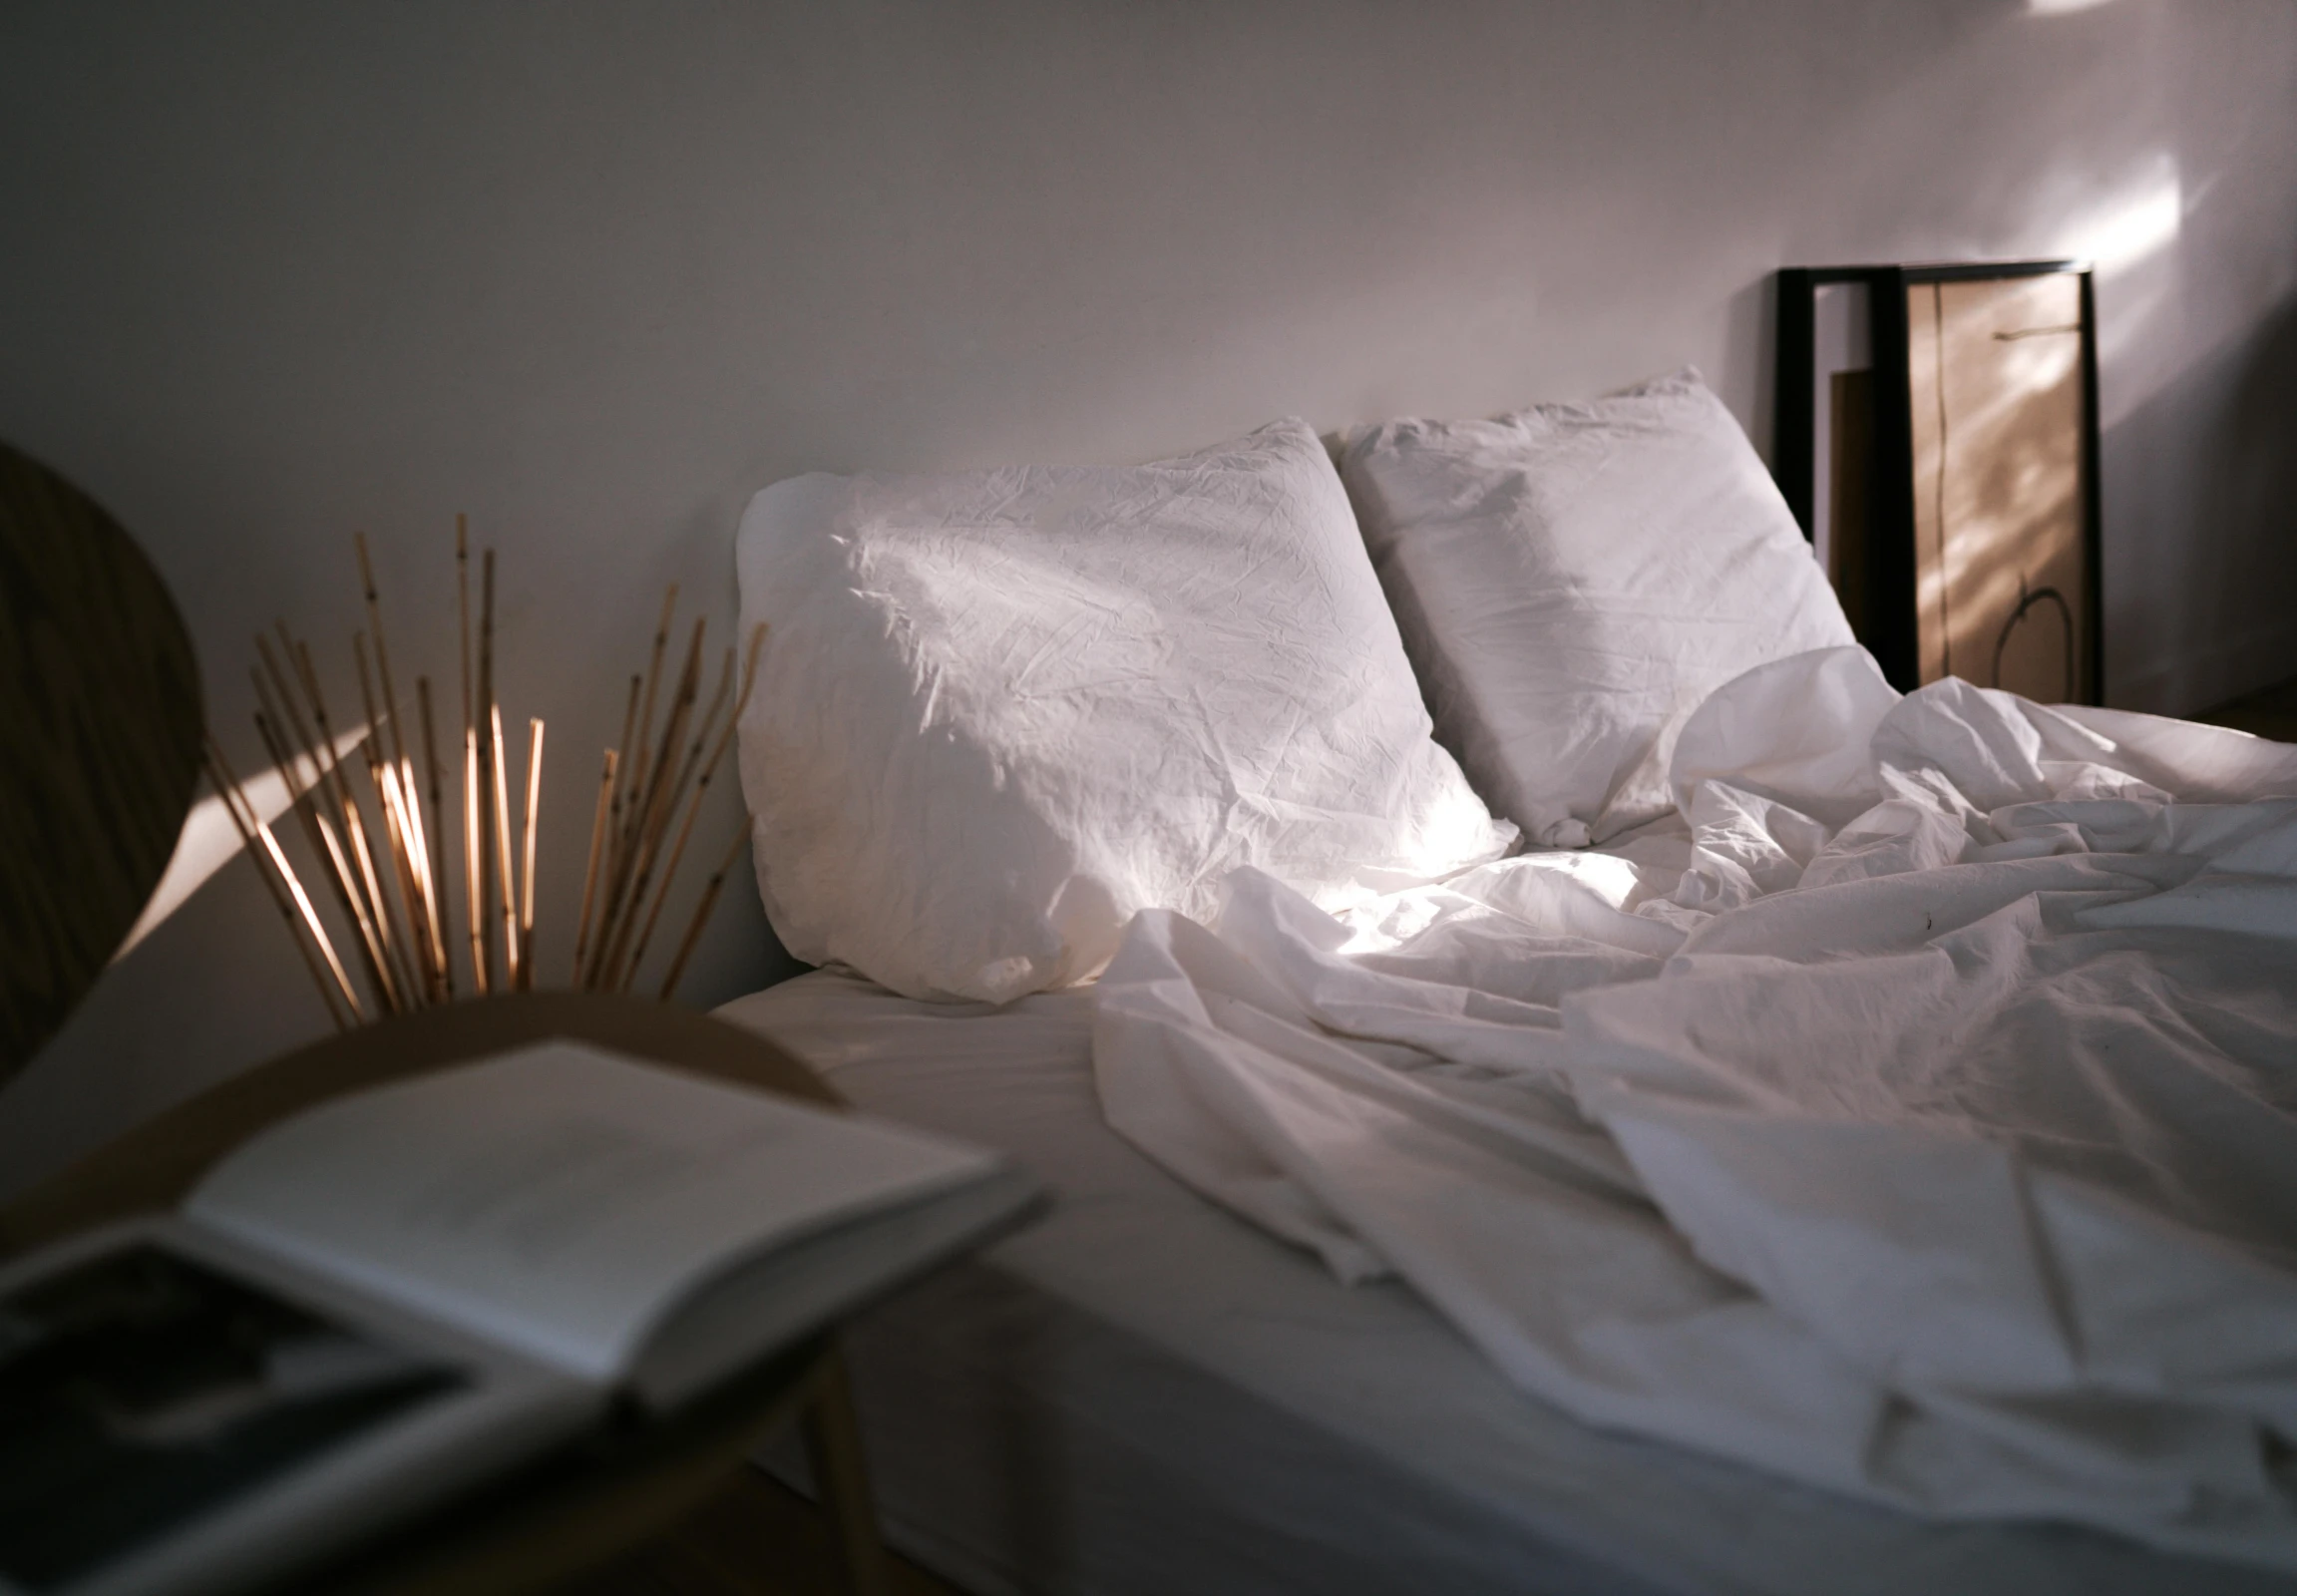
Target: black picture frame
(1883, 610)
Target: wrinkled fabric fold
(1921, 1124)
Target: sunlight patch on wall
(2135, 224)
(2129, 228)
(211, 839)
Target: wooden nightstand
(574, 1508)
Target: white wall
(595, 272)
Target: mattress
(1143, 1393)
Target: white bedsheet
(1918, 1120)
(1143, 1395)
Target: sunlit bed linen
(1145, 1394)
(1925, 1129)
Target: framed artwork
(1937, 438)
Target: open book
(377, 1299)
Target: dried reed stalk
(474, 874)
(503, 854)
(410, 963)
(382, 652)
(490, 758)
(471, 894)
(387, 868)
(309, 799)
(653, 679)
(286, 715)
(415, 874)
(702, 731)
(632, 776)
(339, 876)
(302, 920)
(284, 681)
(591, 871)
(703, 913)
(701, 788)
(650, 821)
(531, 825)
(324, 741)
(437, 840)
(622, 799)
(406, 812)
(366, 880)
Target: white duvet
(1916, 1115)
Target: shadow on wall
(1748, 376)
(2201, 482)
(123, 1054)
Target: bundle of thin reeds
(382, 847)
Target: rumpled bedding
(1914, 1114)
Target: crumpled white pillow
(1573, 578)
(1000, 711)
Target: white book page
(559, 1198)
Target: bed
(1711, 1122)
(1143, 1393)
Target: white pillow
(1000, 711)
(1573, 580)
